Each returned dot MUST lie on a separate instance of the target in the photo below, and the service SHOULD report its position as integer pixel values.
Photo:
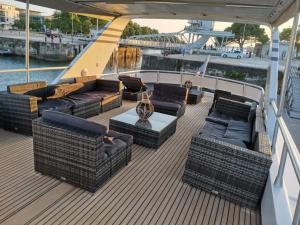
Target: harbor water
(131, 62)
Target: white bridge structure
(194, 36)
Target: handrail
(33, 69)
(187, 73)
(135, 71)
(291, 148)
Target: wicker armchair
(224, 166)
(169, 99)
(78, 151)
(19, 108)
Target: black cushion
(102, 94)
(213, 130)
(171, 106)
(239, 130)
(252, 113)
(40, 92)
(128, 139)
(112, 146)
(234, 141)
(169, 92)
(74, 122)
(79, 99)
(132, 84)
(223, 122)
(87, 86)
(62, 105)
(220, 115)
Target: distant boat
(7, 52)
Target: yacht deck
(148, 191)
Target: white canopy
(273, 12)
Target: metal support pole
(27, 46)
(296, 219)
(279, 178)
(72, 27)
(272, 82)
(217, 82)
(286, 73)
(288, 64)
(97, 25)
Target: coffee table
(152, 133)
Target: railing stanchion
(181, 79)
(243, 90)
(274, 139)
(157, 77)
(217, 82)
(296, 219)
(279, 178)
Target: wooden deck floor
(148, 191)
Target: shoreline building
(8, 15)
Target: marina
(136, 126)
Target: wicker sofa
(169, 99)
(134, 87)
(83, 97)
(81, 152)
(231, 155)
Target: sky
(165, 26)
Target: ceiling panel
(252, 11)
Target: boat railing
(248, 90)
(4, 71)
(285, 144)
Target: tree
(244, 32)
(135, 29)
(81, 24)
(285, 35)
(33, 24)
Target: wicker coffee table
(152, 133)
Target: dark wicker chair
(78, 151)
(169, 99)
(134, 87)
(228, 95)
(224, 165)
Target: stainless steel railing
(33, 69)
(251, 91)
(291, 149)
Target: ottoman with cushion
(134, 87)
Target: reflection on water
(128, 59)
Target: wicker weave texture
(234, 173)
(76, 157)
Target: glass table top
(156, 122)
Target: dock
(253, 63)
